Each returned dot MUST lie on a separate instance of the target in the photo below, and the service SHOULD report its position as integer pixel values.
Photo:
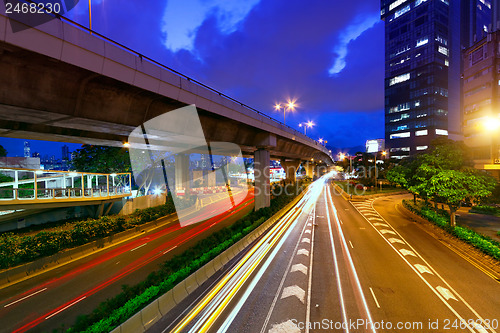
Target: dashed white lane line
(395, 240)
(446, 293)
(303, 252)
(306, 240)
(67, 306)
(169, 249)
(25, 297)
(286, 327)
(351, 245)
(406, 252)
(138, 247)
(375, 298)
(294, 291)
(423, 269)
(299, 268)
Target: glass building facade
(417, 70)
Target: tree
(453, 187)
(3, 152)
(101, 159)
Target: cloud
(350, 33)
(183, 18)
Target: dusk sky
(328, 55)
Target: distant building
(481, 87)
(375, 146)
(27, 149)
(20, 162)
(35, 154)
(66, 156)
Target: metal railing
(143, 57)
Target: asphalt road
(59, 296)
(345, 267)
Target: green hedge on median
(112, 312)
(17, 249)
(481, 242)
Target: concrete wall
(145, 201)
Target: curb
(28, 270)
(148, 316)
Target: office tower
(65, 153)
(27, 149)
(481, 112)
(422, 73)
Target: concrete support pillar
(309, 166)
(290, 167)
(182, 178)
(262, 179)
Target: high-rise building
(481, 112)
(27, 149)
(422, 73)
(65, 153)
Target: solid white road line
(336, 265)
(309, 282)
(351, 263)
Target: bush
(17, 249)
(489, 210)
(112, 312)
(481, 242)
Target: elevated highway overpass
(62, 83)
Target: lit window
(443, 50)
(446, 62)
(402, 11)
(422, 41)
(399, 79)
(417, 103)
(422, 147)
(419, 2)
(445, 1)
(421, 132)
(400, 135)
(441, 132)
(397, 3)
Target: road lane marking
(309, 282)
(406, 252)
(306, 240)
(336, 266)
(299, 268)
(351, 244)
(294, 291)
(138, 247)
(423, 269)
(395, 240)
(25, 297)
(170, 249)
(351, 263)
(446, 293)
(386, 231)
(307, 231)
(375, 298)
(67, 306)
(287, 326)
(304, 252)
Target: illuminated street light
(492, 125)
(309, 124)
(126, 144)
(290, 106)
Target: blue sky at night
(328, 55)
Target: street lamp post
(306, 125)
(290, 106)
